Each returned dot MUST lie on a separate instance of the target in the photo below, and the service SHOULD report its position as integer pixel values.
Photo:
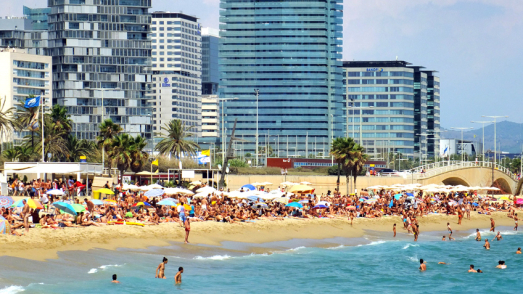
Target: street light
(103, 110)
(495, 121)
(483, 137)
(462, 145)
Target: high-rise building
(23, 75)
(210, 116)
(176, 65)
(210, 61)
(38, 17)
(13, 30)
(290, 53)
(433, 115)
(388, 99)
(101, 63)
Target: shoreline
(43, 244)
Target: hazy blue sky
(476, 45)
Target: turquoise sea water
(374, 264)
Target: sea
(375, 263)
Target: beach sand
(42, 244)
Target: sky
(475, 45)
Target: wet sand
(42, 244)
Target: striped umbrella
(6, 201)
(4, 227)
(154, 193)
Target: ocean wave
(214, 257)
(337, 247)
(103, 268)
(296, 249)
(372, 243)
(489, 233)
(12, 289)
(410, 245)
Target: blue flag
(32, 102)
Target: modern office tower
(210, 61)
(38, 17)
(420, 111)
(210, 116)
(176, 60)
(289, 52)
(12, 31)
(22, 75)
(433, 115)
(380, 100)
(101, 63)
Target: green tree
(175, 142)
(108, 130)
(138, 156)
(77, 148)
(350, 157)
(10, 154)
(237, 163)
(60, 118)
(120, 152)
(359, 158)
(55, 141)
(7, 119)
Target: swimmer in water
(115, 281)
(450, 232)
(443, 239)
(498, 236)
(160, 270)
(472, 270)
(501, 264)
(487, 244)
(480, 271)
(422, 265)
(519, 251)
(178, 277)
(441, 262)
(478, 235)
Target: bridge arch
(502, 184)
(454, 181)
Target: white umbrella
(305, 183)
(324, 203)
(206, 189)
(55, 192)
(126, 187)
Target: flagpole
(43, 142)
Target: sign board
(187, 174)
(83, 159)
(166, 83)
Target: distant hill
(509, 136)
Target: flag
(32, 102)
(206, 152)
(155, 162)
(157, 171)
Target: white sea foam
(487, 233)
(92, 271)
(214, 257)
(337, 247)
(296, 249)
(372, 243)
(414, 258)
(12, 289)
(103, 268)
(410, 245)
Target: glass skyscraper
(38, 17)
(101, 51)
(210, 63)
(290, 51)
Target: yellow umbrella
(504, 198)
(186, 206)
(303, 189)
(105, 191)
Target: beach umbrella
(282, 200)
(504, 198)
(168, 202)
(249, 186)
(254, 198)
(305, 183)
(139, 204)
(397, 196)
(304, 201)
(294, 204)
(154, 193)
(5, 228)
(302, 189)
(196, 183)
(206, 189)
(97, 202)
(66, 207)
(126, 187)
(320, 206)
(519, 201)
(54, 192)
(34, 204)
(78, 207)
(259, 205)
(410, 194)
(324, 203)
(110, 202)
(6, 201)
(186, 206)
(105, 191)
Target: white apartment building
(210, 116)
(177, 70)
(21, 75)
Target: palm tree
(7, 121)
(350, 156)
(138, 156)
(10, 154)
(77, 148)
(54, 139)
(175, 141)
(61, 118)
(120, 152)
(108, 130)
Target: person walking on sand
(450, 232)
(160, 270)
(178, 277)
(492, 225)
(26, 214)
(478, 235)
(394, 230)
(187, 230)
(516, 222)
(422, 265)
(487, 244)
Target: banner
(32, 102)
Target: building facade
(176, 65)
(13, 30)
(23, 75)
(38, 17)
(101, 63)
(289, 52)
(210, 61)
(433, 114)
(210, 116)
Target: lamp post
(223, 126)
(257, 93)
(103, 110)
(483, 136)
(462, 145)
(495, 121)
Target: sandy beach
(42, 244)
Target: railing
(437, 168)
